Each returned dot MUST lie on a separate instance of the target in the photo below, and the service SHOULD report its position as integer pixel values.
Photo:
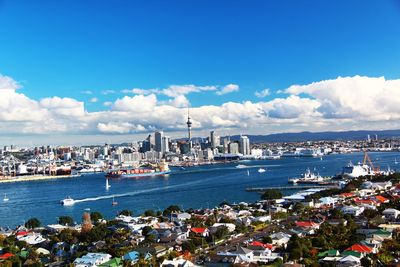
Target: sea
(193, 187)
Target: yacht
(107, 184)
(114, 203)
(5, 199)
(68, 201)
(261, 170)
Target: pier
(287, 188)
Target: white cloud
(87, 92)
(263, 93)
(137, 103)
(177, 90)
(120, 127)
(337, 104)
(108, 92)
(228, 89)
(93, 100)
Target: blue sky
(63, 48)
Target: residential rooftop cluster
(356, 225)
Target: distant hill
(316, 136)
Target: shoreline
(37, 178)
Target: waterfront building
(244, 145)
(158, 136)
(214, 140)
(233, 148)
(165, 144)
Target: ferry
(308, 177)
(159, 169)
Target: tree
(271, 194)
(66, 220)
(171, 209)
(96, 216)
(126, 213)
(267, 239)
(149, 213)
(33, 223)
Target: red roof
(307, 224)
(347, 194)
(259, 244)
(6, 256)
(22, 233)
(198, 230)
(360, 248)
(382, 199)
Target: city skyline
(96, 72)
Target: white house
(92, 260)
(352, 210)
(280, 239)
(391, 214)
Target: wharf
(34, 178)
(287, 188)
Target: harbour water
(194, 187)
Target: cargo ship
(151, 170)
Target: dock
(287, 188)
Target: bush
(96, 216)
(271, 194)
(32, 223)
(126, 213)
(66, 220)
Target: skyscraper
(244, 145)
(165, 144)
(158, 136)
(214, 139)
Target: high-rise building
(165, 144)
(158, 136)
(214, 139)
(233, 148)
(244, 145)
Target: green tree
(271, 194)
(96, 216)
(66, 220)
(267, 239)
(150, 213)
(171, 209)
(32, 223)
(126, 212)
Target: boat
(114, 203)
(261, 170)
(354, 171)
(159, 169)
(241, 166)
(308, 177)
(395, 161)
(248, 173)
(5, 199)
(68, 201)
(107, 185)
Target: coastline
(37, 178)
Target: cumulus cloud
(228, 89)
(93, 100)
(87, 92)
(360, 97)
(120, 127)
(108, 92)
(263, 93)
(337, 104)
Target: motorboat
(5, 199)
(68, 201)
(261, 170)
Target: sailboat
(248, 173)
(114, 203)
(5, 199)
(395, 161)
(107, 184)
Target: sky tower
(189, 125)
